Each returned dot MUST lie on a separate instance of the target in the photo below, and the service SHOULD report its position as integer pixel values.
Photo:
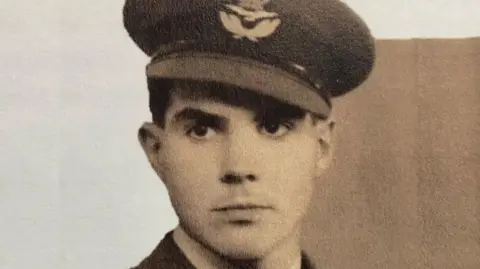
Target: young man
(240, 99)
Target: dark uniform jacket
(167, 255)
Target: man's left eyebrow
(279, 114)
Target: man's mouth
(240, 207)
(243, 213)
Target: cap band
(242, 72)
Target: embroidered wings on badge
(249, 19)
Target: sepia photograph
(240, 134)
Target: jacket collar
(167, 255)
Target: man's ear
(324, 131)
(150, 137)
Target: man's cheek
(185, 203)
(194, 191)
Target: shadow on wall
(404, 189)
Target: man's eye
(201, 132)
(276, 129)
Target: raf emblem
(248, 19)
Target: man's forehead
(229, 95)
(216, 111)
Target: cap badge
(248, 19)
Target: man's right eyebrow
(190, 114)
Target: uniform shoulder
(166, 255)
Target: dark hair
(161, 92)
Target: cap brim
(244, 73)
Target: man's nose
(240, 158)
(237, 178)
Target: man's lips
(242, 206)
(242, 213)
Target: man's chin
(241, 249)
(242, 253)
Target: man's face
(239, 183)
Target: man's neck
(287, 255)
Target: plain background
(403, 190)
(75, 188)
